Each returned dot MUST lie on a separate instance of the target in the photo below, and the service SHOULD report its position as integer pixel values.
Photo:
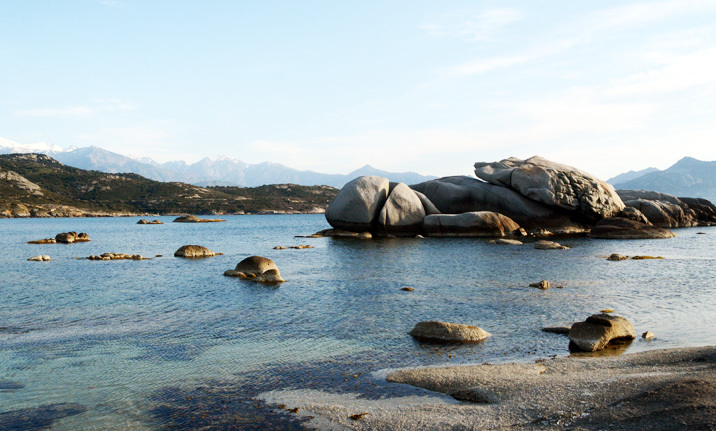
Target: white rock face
(554, 184)
(470, 224)
(403, 212)
(358, 204)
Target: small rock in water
(418, 237)
(448, 332)
(648, 335)
(505, 241)
(549, 245)
(280, 247)
(606, 310)
(193, 251)
(598, 330)
(646, 257)
(617, 256)
(41, 258)
(407, 289)
(544, 284)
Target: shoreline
(664, 389)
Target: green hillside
(130, 193)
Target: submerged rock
(143, 221)
(470, 224)
(598, 330)
(448, 332)
(193, 251)
(505, 241)
(358, 204)
(41, 258)
(554, 184)
(544, 285)
(189, 218)
(549, 245)
(563, 330)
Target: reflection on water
(167, 342)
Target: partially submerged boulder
(71, 237)
(505, 241)
(257, 268)
(358, 204)
(470, 224)
(144, 221)
(599, 330)
(43, 241)
(554, 184)
(549, 245)
(622, 228)
(402, 213)
(41, 258)
(116, 256)
(194, 251)
(448, 332)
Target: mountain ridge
(209, 170)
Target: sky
(423, 86)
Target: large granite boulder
(664, 210)
(598, 330)
(402, 213)
(461, 194)
(554, 184)
(622, 228)
(358, 204)
(445, 332)
(471, 224)
(194, 251)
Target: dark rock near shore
(40, 417)
(143, 221)
(621, 228)
(599, 330)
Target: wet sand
(672, 389)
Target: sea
(172, 343)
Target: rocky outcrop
(71, 237)
(667, 211)
(444, 332)
(20, 182)
(470, 224)
(554, 184)
(257, 268)
(144, 221)
(194, 251)
(188, 218)
(403, 212)
(622, 228)
(460, 194)
(599, 330)
(358, 204)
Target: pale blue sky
(329, 85)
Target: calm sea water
(172, 343)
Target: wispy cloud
(481, 27)
(97, 106)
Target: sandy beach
(672, 389)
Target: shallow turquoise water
(128, 340)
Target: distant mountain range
(217, 171)
(688, 177)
